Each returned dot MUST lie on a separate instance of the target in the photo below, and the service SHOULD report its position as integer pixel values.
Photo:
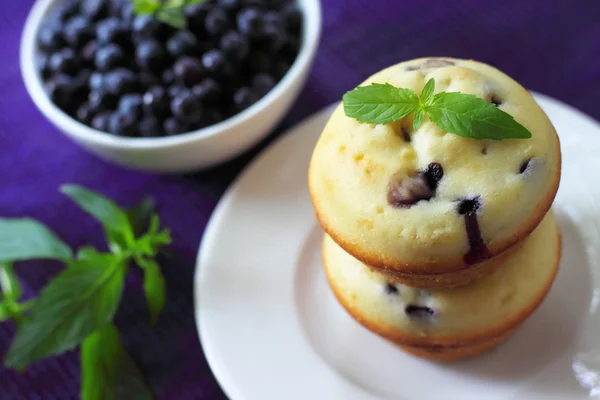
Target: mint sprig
(462, 114)
(77, 306)
(170, 11)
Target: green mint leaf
(154, 288)
(140, 214)
(172, 16)
(9, 283)
(78, 301)
(141, 7)
(24, 239)
(380, 103)
(427, 92)
(108, 371)
(418, 119)
(472, 117)
(113, 218)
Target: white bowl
(187, 152)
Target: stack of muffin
(441, 244)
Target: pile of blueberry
(132, 75)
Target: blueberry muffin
(427, 203)
(448, 324)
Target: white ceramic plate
(271, 328)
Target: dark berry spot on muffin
(408, 191)
(413, 310)
(494, 99)
(405, 134)
(478, 251)
(484, 150)
(431, 63)
(433, 174)
(525, 166)
(390, 288)
(405, 193)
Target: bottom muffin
(448, 324)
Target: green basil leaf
(174, 17)
(25, 239)
(380, 103)
(154, 288)
(113, 218)
(145, 6)
(140, 214)
(108, 372)
(9, 283)
(74, 304)
(472, 117)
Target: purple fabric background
(549, 46)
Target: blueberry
(44, 66)
(78, 31)
(168, 77)
(196, 15)
(112, 30)
(174, 90)
(119, 81)
(67, 9)
(273, 18)
(182, 43)
(213, 61)
(234, 46)
(290, 48)
(131, 104)
(122, 124)
(148, 79)
(100, 121)
(127, 11)
(156, 101)
(108, 57)
(262, 84)
(94, 9)
(84, 114)
(173, 126)
(279, 69)
(96, 81)
(229, 5)
(273, 38)
(244, 98)
(211, 116)
(64, 61)
(186, 108)
(150, 55)
(292, 17)
(149, 127)
(258, 62)
(81, 80)
(188, 71)
(88, 53)
(50, 38)
(100, 100)
(146, 26)
(59, 90)
(208, 91)
(216, 22)
(250, 22)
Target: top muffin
(428, 201)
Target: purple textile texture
(549, 46)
